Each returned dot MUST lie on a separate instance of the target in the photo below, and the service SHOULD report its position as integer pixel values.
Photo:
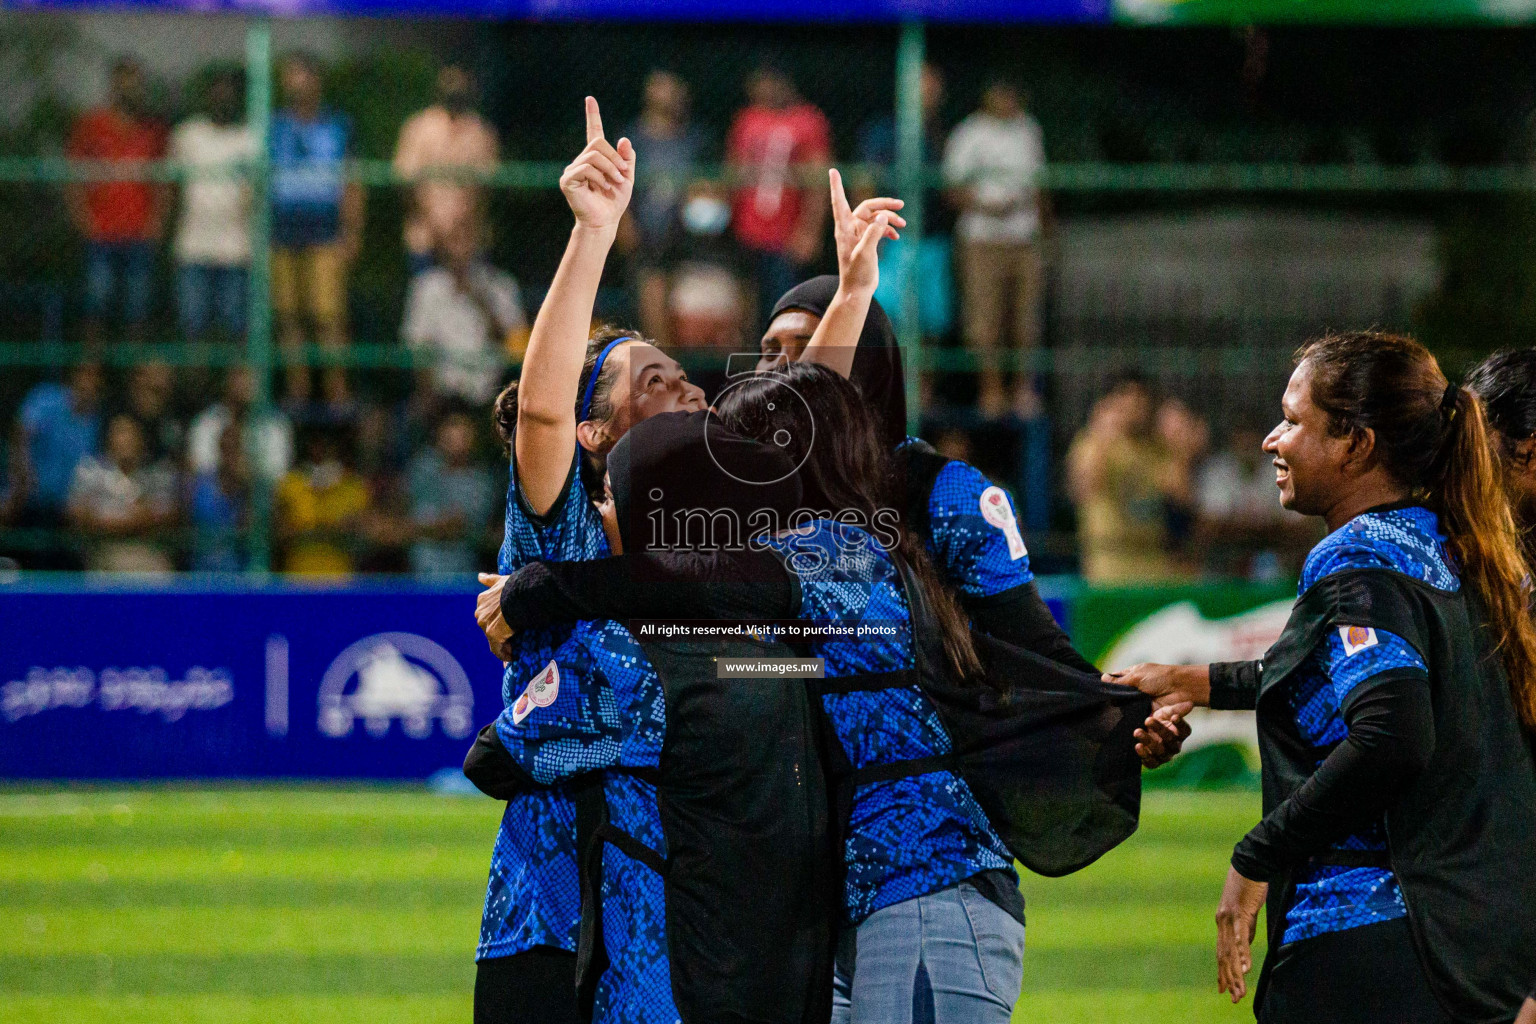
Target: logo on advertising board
(396, 676)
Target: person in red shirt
(120, 220)
(778, 149)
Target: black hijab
(689, 462)
(877, 368)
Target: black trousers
(1366, 975)
(534, 987)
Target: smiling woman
(1389, 711)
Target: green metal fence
(907, 178)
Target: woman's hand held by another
(489, 618)
(1162, 736)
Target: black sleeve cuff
(1252, 859)
(1235, 686)
(494, 771)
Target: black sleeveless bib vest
(1462, 837)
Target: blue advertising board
(628, 10)
(198, 681)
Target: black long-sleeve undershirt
(1391, 738)
(1235, 685)
(748, 585)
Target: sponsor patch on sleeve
(997, 510)
(540, 692)
(1357, 639)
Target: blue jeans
(207, 293)
(951, 957)
(122, 269)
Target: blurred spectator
(58, 426)
(935, 280)
(377, 461)
(451, 501)
(124, 501)
(120, 220)
(1121, 477)
(701, 270)
(213, 234)
(672, 148)
(1243, 529)
(1185, 438)
(267, 441)
(12, 474)
(317, 215)
(448, 134)
(777, 149)
(462, 313)
(320, 506)
(332, 404)
(991, 166)
(218, 504)
(147, 400)
(953, 443)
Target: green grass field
(320, 905)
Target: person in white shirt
(463, 312)
(268, 440)
(213, 238)
(992, 165)
(123, 503)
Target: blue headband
(597, 371)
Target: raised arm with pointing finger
(597, 185)
(858, 233)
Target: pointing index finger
(840, 209)
(594, 120)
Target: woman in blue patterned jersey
(575, 398)
(1506, 382)
(934, 918)
(966, 522)
(1399, 784)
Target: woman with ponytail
(930, 888)
(576, 396)
(1393, 712)
(1506, 382)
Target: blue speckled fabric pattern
(1331, 898)
(909, 836)
(533, 897)
(970, 552)
(637, 987)
(611, 713)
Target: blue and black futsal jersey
(973, 534)
(534, 895)
(1332, 898)
(910, 836)
(609, 713)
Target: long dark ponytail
(845, 467)
(1435, 439)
